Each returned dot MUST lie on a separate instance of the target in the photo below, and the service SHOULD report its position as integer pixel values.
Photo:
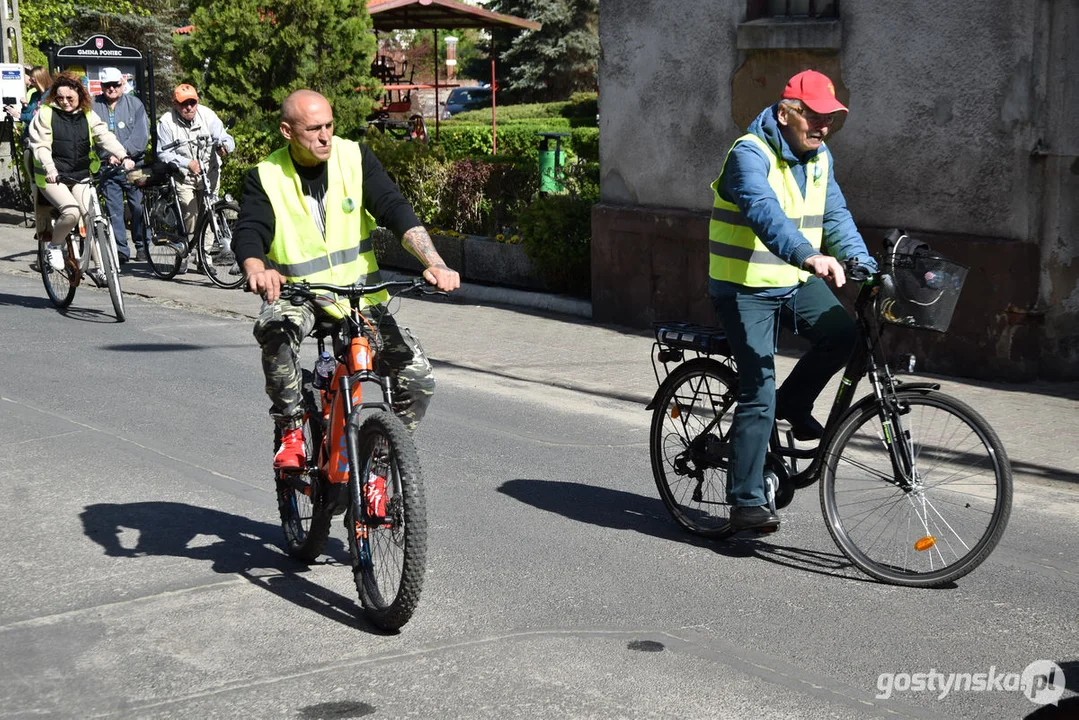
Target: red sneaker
(376, 496)
(291, 455)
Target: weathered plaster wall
(962, 124)
(664, 99)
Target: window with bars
(792, 9)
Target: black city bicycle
(171, 241)
(361, 462)
(915, 486)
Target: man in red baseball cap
(779, 229)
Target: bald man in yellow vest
(779, 229)
(307, 214)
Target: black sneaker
(753, 518)
(803, 425)
(140, 255)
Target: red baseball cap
(815, 90)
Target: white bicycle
(60, 284)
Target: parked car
(466, 98)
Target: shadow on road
(30, 301)
(243, 547)
(621, 510)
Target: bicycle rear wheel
(110, 266)
(225, 213)
(301, 497)
(944, 523)
(60, 285)
(387, 526)
(689, 458)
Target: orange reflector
(925, 543)
(675, 412)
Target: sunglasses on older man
(109, 85)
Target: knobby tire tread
(399, 611)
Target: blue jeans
(114, 190)
(750, 321)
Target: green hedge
(517, 140)
(579, 111)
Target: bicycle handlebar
(105, 172)
(856, 271)
(305, 290)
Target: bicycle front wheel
(689, 447)
(110, 266)
(301, 497)
(387, 522)
(60, 285)
(939, 524)
(214, 245)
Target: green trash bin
(550, 162)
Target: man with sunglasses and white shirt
(125, 116)
(189, 120)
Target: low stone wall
(477, 259)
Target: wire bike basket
(918, 289)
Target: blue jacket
(128, 122)
(744, 181)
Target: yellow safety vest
(39, 169)
(299, 251)
(736, 254)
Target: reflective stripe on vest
(299, 251)
(736, 254)
(39, 169)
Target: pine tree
(551, 63)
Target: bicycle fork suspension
(897, 440)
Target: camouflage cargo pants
(282, 326)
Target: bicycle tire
(301, 502)
(953, 446)
(691, 397)
(163, 256)
(110, 266)
(225, 213)
(388, 553)
(60, 285)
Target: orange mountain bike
(361, 463)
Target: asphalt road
(142, 574)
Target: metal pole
(494, 115)
(437, 113)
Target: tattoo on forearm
(418, 242)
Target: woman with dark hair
(63, 136)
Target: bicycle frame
(205, 196)
(866, 361)
(343, 402)
(94, 216)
